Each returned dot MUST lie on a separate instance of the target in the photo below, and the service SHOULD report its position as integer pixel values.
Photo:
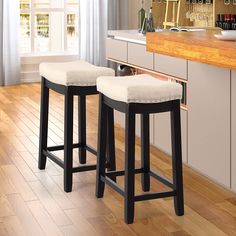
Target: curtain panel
(96, 18)
(9, 42)
(1, 42)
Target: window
(49, 26)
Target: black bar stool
(77, 78)
(143, 95)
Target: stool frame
(46, 152)
(130, 109)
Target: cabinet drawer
(138, 56)
(171, 66)
(116, 49)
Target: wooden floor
(32, 202)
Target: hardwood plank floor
(32, 202)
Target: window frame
(32, 11)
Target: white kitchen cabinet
(138, 56)
(233, 131)
(209, 121)
(162, 133)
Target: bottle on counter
(218, 21)
(226, 21)
(141, 16)
(233, 22)
(227, 25)
(144, 26)
(150, 22)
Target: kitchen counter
(206, 67)
(128, 35)
(195, 46)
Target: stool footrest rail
(149, 196)
(76, 145)
(60, 162)
(122, 172)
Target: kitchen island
(207, 69)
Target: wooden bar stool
(143, 95)
(77, 78)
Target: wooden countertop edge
(204, 52)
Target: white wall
(134, 7)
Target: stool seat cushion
(142, 88)
(75, 73)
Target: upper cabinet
(202, 12)
(209, 121)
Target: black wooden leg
(129, 166)
(145, 153)
(68, 139)
(111, 141)
(43, 136)
(177, 158)
(82, 128)
(102, 141)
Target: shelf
(184, 103)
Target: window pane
(42, 33)
(25, 39)
(58, 4)
(49, 3)
(57, 31)
(72, 32)
(54, 26)
(24, 4)
(72, 2)
(42, 3)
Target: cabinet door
(162, 133)
(209, 121)
(233, 131)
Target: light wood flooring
(32, 202)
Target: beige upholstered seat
(139, 89)
(76, 73)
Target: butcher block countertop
(195, 46)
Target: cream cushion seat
(75, 73)
(139, 89)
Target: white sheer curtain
(118, 11)
(1, 42)
(9, 42)
(96, 17)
